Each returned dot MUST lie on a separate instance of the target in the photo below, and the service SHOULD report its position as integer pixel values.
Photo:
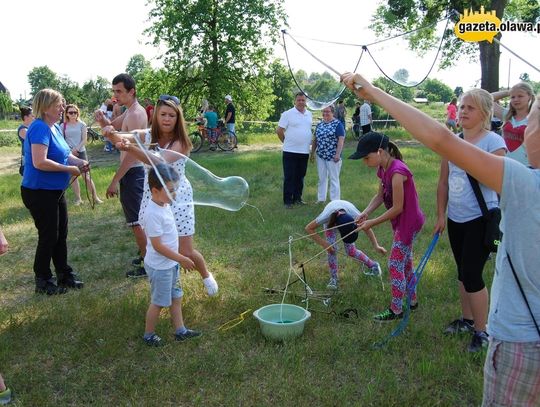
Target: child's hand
(362, 218)
(368, 224)
(331, 249)
(380, 249)
(186, 263)
(439, 226)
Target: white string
(151, 161)
(513, 53)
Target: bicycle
(93, 135)
(225, 140)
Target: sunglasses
(164, 98)
(71, 112)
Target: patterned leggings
(400, 267)
(351, 251)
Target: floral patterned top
(327, 135)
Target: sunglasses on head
(71, 112)
(168, 97)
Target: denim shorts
(165, 285)
(131, 193)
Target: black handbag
(492, 217)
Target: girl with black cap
(342, 214)
(398, 193)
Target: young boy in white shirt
(162, 257)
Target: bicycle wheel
(226, 141)
(92, 135)
(196, 140)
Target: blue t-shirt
(327, 135)
(509, 318)
(212, 119)
(39, 132)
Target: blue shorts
(131, 193)
(164, 285)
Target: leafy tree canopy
(436, 91)
(42, 77)
(137, 66)
(396, 16)
(214, 48)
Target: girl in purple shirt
(398, 193)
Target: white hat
(228, 97)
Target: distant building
(420, 100)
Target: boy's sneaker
(154, 340)
(332, 284)
(187, 335)
(138, 272)
(387, 316)
(414, 306)
(374, 270)
(211, 285)
(458, 327)
(479, 342)
(5, 396)
(138, 262)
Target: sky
(86, 39)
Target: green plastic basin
(282, 321)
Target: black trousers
(366, 128)
(470, 254)
(294, 171)
(49, 211)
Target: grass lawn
(85, 348)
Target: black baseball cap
(369, 143)
(348, 227)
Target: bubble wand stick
(356, 85)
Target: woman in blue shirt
(328, 145)
(47, 171)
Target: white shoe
(375, 270)
(332, 284)
(210, 285)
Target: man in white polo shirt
(294, 131)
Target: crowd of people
(472, 160)
(157, 201)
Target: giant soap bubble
(229, 193)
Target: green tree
(137, 66)
(71, 91)
(322, 87)
(6, 105)
(94, 92)
(401, 76)
(396, 16)
(398, 91)
(524, 77)
(42, 77)
(218, 47)
(436, 91)
(283, 88)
